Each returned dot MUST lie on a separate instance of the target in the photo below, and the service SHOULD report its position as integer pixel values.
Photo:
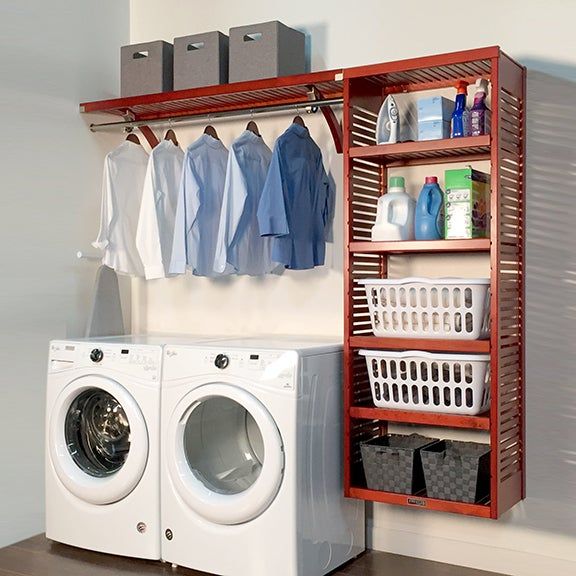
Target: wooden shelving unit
(365, 167)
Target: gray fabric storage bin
(266, 50)
(200, 60)
(146, 68)
(457, 471)
(392, 462)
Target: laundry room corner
(54, 54)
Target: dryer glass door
(228, 458)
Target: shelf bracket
(333, 123)
(146, 131)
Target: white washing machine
(252, 469)
(103, 444)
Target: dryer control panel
(139, 361)
(267, 368)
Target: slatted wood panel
(508, 232)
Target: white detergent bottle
(395, 213)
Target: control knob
(221, 361)
(96, 355)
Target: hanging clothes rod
(311, 106)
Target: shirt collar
(301, 131)
(211, 141)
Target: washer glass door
(97, 432)
(98, 440)
(227, 456)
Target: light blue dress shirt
(199, 206)
(297, 201)
(240, 247)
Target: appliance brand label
(417, 502)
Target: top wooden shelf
(286, 90)
(426, 152)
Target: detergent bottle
(395, 213)
(480, 114)
(460, 116)
(428, 222)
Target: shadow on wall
(551, 300)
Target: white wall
(539, 535)
(53, 55)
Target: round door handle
(221, 361)
(96, 355)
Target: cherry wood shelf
(223, 98)
(421, 246)
(427, 344)
(480, 510)
(471, 148)
(480, 422)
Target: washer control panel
(140, 361)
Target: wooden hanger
(133, 138)
(298, 120)
(253, 127)
(211, 131)
(171, 135)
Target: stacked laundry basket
(449, 383)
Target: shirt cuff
(100, 245)
(153, 272)
(270, 228)
(177, 267)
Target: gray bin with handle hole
(266, 50)
(146, 68)
(457, 471)
(200, 60)
(392, 462)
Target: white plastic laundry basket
(426, 382)
(451, 308)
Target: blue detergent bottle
(429, 223)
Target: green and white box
(466, 204)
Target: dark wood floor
(40, 557)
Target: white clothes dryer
(103, 444)
(252, 473)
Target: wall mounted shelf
(287, 92)
(366, 167)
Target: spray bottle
(480, 114)
(460, 117)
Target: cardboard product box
(146, 68)
(433, 130)
(466, 204)
(266, 50)
(435, 108)
(200, 60)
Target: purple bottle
(479, 114)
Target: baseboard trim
(461, 553)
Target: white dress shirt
(123, 179)
(158, 210)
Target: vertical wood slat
(507, 263)
(362, 187)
